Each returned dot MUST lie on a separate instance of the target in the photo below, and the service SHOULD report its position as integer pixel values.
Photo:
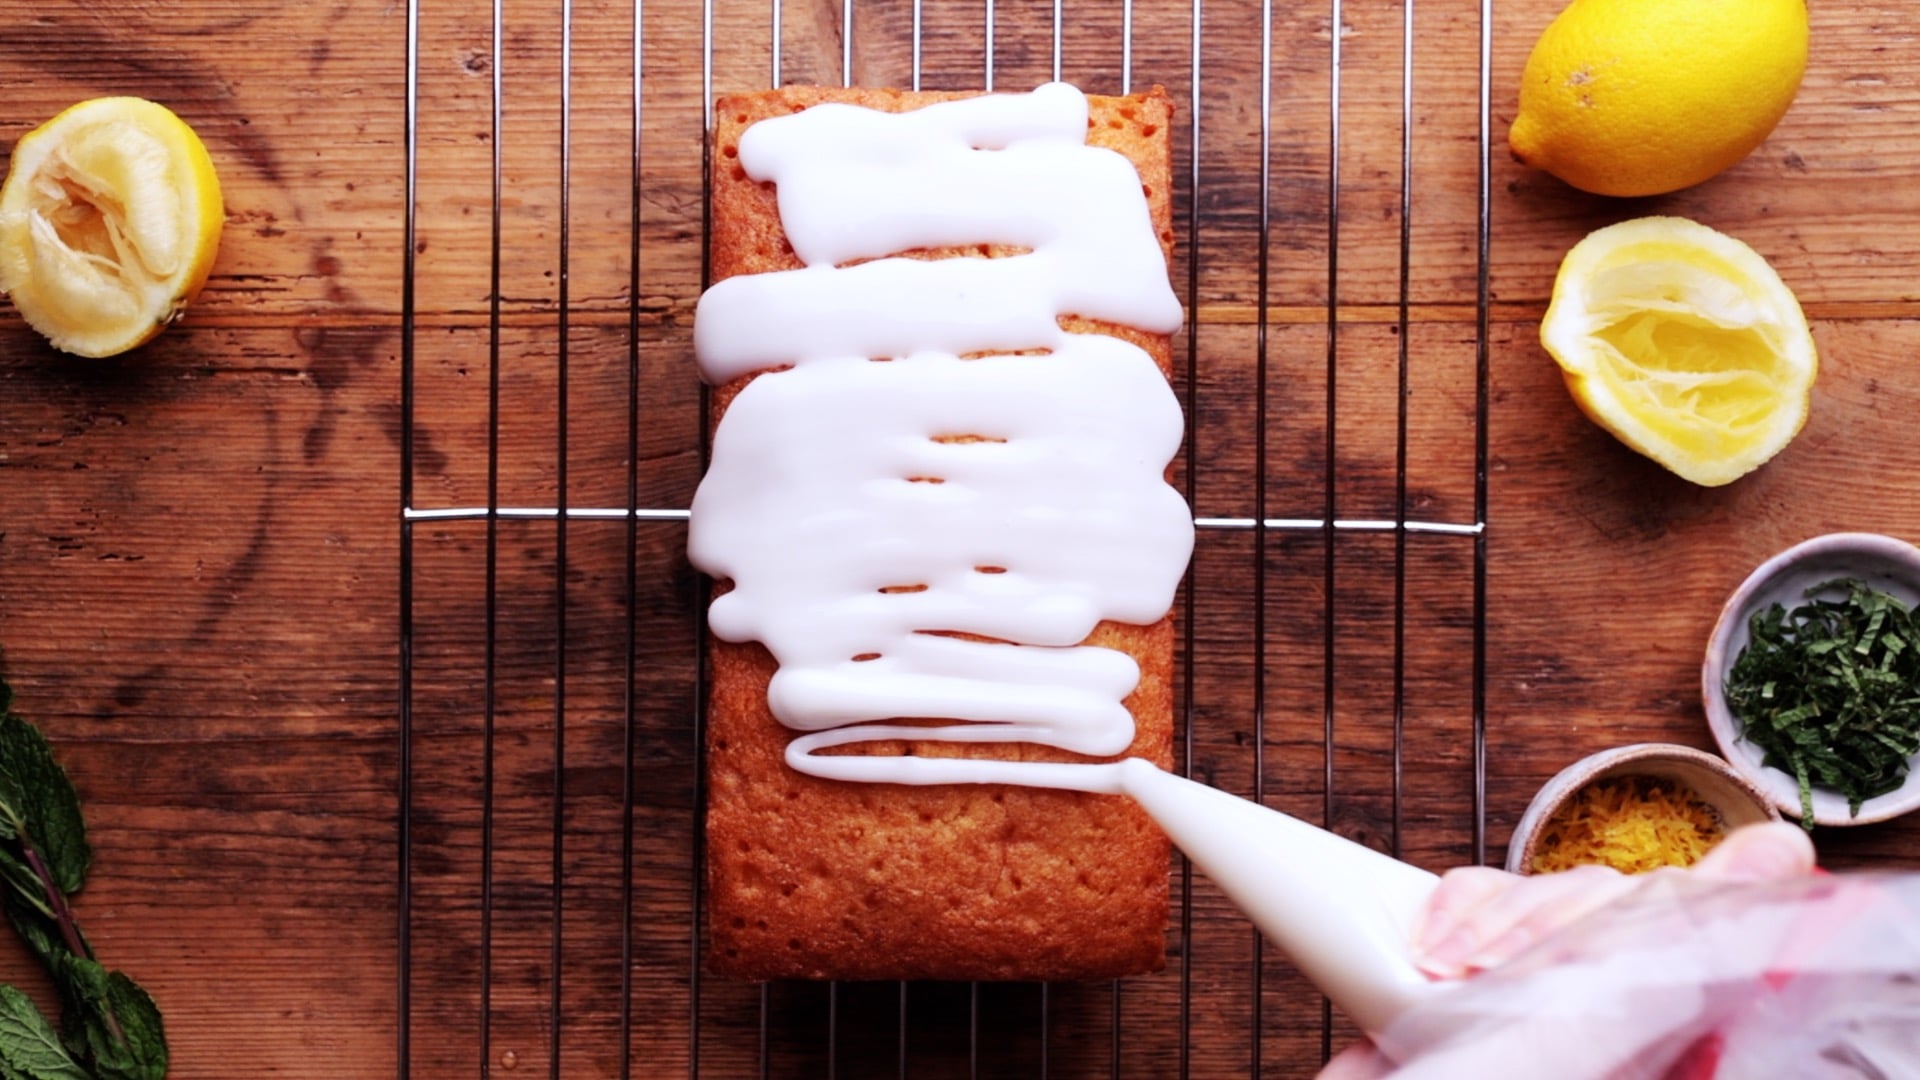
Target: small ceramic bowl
(1737, 801)
(1887, 564)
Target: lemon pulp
(1684, 344)
(109, 221)
(1703, 388)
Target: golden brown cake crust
(811, 878)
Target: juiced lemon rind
(1684, 344)
(109, 222)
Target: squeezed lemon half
(1684, 344)
(109, 221)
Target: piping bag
(1343, 913)
(1814, 976)
(1683, 977)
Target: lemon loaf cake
(895, 552)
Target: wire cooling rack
(1334, 372)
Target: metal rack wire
(949, 1020)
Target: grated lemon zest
(1631, 823)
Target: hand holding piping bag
(1480, 917)
(1749, 964)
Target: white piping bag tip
(1343, 913)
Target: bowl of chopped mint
(1812, 679)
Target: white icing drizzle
(858, 184)
(867, 512)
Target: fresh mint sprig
(109, 1028)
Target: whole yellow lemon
(1643, 97)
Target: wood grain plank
(1606, 573)
(237, 767)
(1822, 198)
(199, 560)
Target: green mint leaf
(23, 886)
(144, 1042)
(38, 806)
(29, 1049)
(41, 934)
(110, 1021)
(109, 1028)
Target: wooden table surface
(327, 856)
